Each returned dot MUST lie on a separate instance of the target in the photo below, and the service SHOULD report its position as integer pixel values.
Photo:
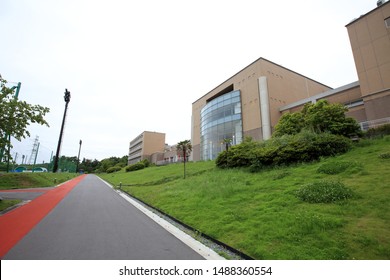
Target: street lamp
(78, 157)
(67, 99)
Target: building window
(220, 119)
(387, 22)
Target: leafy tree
(88, 165)
(15, 117)
(319, 117)
(290, 123)
(184, 149)
(111, 162)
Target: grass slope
(260, 214)
(32, 180)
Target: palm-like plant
(184, 149)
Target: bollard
(120, 185)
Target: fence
(375, 123)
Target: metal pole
(67, 99)
(78, 157)
(35, 159)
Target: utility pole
(78, 157)
(35, 159)
(67, 99)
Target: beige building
(145, 145)
(251, 102)
(170, 155)
(247, 104)
(370, 41)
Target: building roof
(257, 60)
(319, 96)
(364, 15)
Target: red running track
(15, 224)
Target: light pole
(78, 157)
(67, 99)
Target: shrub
(331, 145)
(337, 167)
(145, 162)
(135, 166)
(113, 169)
(385, 155)
(239, 155)
(302, 147)
(324, 192)
(320, 117)
(332, 168)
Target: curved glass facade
(220, 119)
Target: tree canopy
(319, 117)
(15, 117)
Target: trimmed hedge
(288, 149)
(135, 166)
(113, 169)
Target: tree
(319, 117)
(290, 123)
(184, 148)
(15, 117)
(227, 142)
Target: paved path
(88, 221)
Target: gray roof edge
(319, 96)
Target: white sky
(139, 65)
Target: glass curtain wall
(220, 119)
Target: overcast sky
(133, 66)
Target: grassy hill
(32, 180)
(29, 180)
(261, 214)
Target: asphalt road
(94, 222)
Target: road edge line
(194, 244)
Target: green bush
(305, 146)
(319, 117)
(338, 167)
(324, 192)
(113, 169)
(239, 155)
(135, 166)
(145, 162)
(385, 155)
(332, 168)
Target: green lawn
(260, 214)
(33, 180)
(4, 204)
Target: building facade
(145, 145)
(251, 102)
(370, 42)
(247, 104)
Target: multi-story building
(144, 145)
(251, 102)
(370, 41)
(247, 104)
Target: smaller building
(169, 155)
(145, 145)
